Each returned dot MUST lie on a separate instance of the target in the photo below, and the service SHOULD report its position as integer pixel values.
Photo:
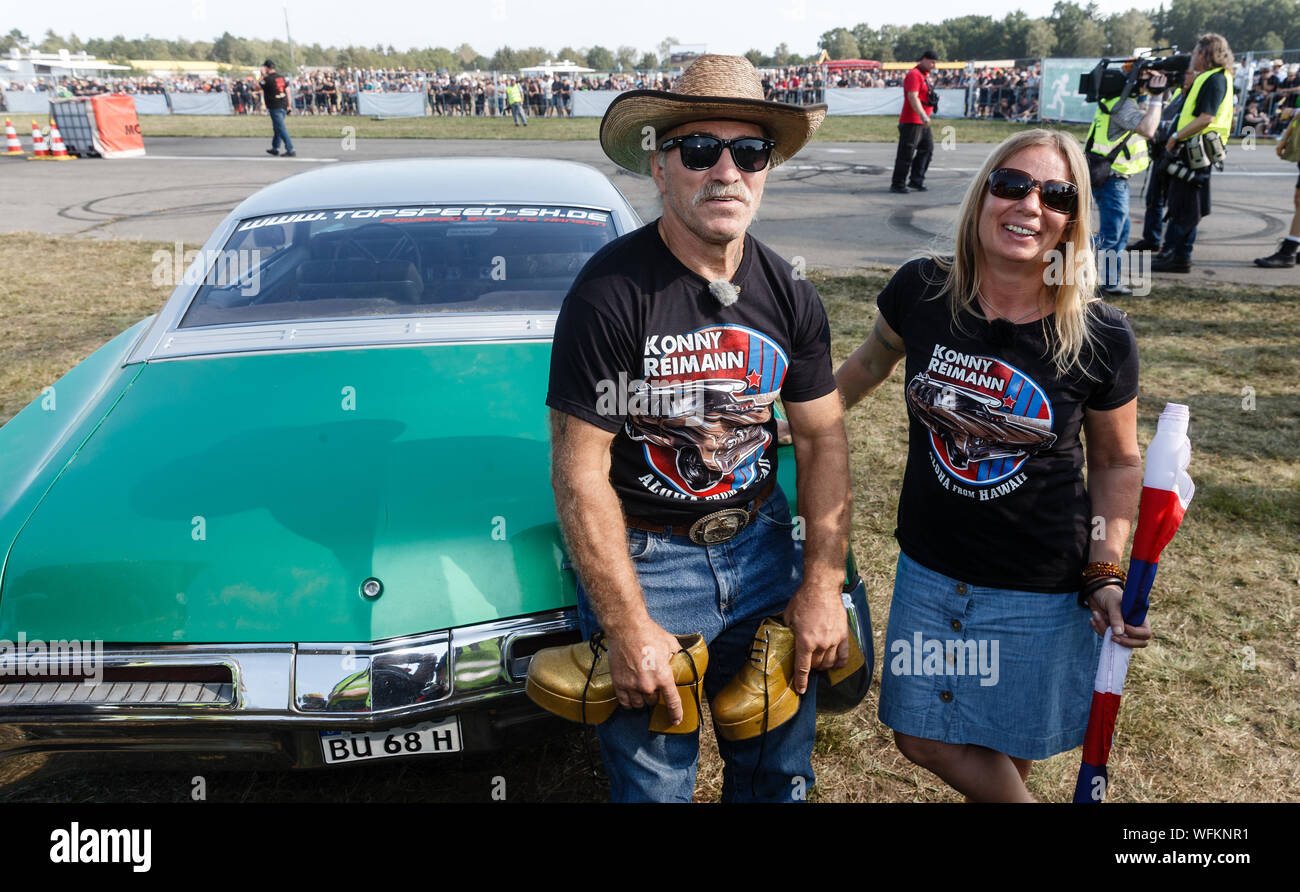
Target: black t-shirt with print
(274, 90)
(993, 493)
(643, 350)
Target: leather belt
(711, 529)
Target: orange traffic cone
(13, 146)
(57, 150)
(39, 150)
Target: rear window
(330, 264)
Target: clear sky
(725, 27)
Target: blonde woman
(1006, 556)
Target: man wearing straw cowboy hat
(669, 505)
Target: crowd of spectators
(797, 86)
(1010, 94)
(1005, 93)
(92, 86)
(940, 78)
(1271, 97)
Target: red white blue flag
(1166, 492)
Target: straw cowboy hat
(713, 87)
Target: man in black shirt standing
(275, 90)
(1206, 114)
(666, 492)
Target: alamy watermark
(635, 396)
(1131, 268)
(240, 268)
(59, 658)
(954, 656)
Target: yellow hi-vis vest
(514, 94)
(1132, 158)
(1222, 122)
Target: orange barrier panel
(117, 128)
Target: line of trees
(1074, 30)
(1071, 30)
(231, 50)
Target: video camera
(1112, 78)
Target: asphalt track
(830, 205)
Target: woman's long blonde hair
(1076, 285)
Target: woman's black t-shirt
(993, 493)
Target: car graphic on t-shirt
(974, 426)
(712, 426)
(704, 409)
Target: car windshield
(329, 264)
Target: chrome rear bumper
(267, 703)
(169, 706)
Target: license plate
(357, 746)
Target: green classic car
(302, 516)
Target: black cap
(929, 54)
(268, 64)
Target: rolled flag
(1166, 492)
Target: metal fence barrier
(994, 90)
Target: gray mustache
(714, 189)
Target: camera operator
(1202, 123)
(1127, 156)
(1153, 224)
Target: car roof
(409, 181)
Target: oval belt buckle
(718, 527)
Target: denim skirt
(1009, 670)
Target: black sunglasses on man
(701, 152)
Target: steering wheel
(396, 244)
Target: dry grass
(1196, 725)
(61, 298)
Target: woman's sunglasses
(1013, 185)
(751, 153)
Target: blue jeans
(1112, 234)
(1153, 224)
(1179, 239)
(517, 109)
(279, 133)
(1184, 216)
(722, 592)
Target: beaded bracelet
(1104, 568)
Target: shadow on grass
(1266, 509)
(556, 769)
(1264, 329)
(1225, 293)
(1220, 426)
